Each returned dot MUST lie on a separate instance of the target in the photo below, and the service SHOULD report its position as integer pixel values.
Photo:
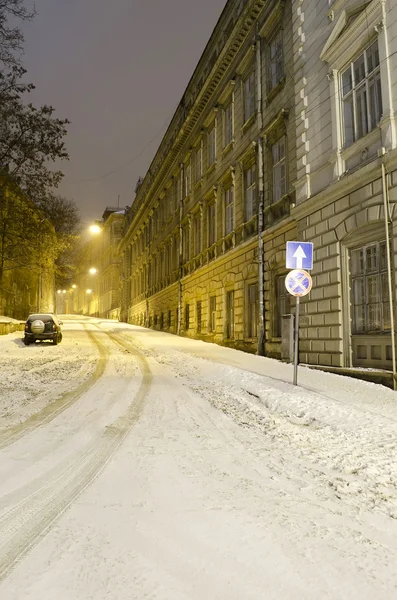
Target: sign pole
(296, 347)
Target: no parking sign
(298, 282)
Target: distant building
(96, 289)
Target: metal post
(180, 257)
(261, 332)
(389, 274)
(296, 346)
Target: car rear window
(44, 318)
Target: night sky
(117, 70)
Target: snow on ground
(232, 483)
(31, 376)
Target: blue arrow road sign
(299, 255)
(298, 282)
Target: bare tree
(63, 214)
(11, 37)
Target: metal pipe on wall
(180, 251)
(261, 329)
(389, 270)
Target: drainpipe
(180, 253)
(389, 270)
(147, 274)
(261, 332)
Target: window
(198, 311)
(188, 180)
(167, 259)
(187, 316)
(253, 312)
(282, 305)
(212, 320)
(370, 292)
(229, 210)
(211, 224)
(230, 314)
(197, 234)
(276, 62)
(211, 146)
(250, 192)
(249, 96)
(279, 170)
(228, 124)
(198, 164)
(186, 243)
(361, 95)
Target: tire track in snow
(24, 525)
(52, 410)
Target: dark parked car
(42, 327)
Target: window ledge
(361, 144)
(228, 148)
(249, 122)
(198, 184)
(211, 168)
(273, 93)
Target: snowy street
(138, 465)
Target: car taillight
(54, 327)
(26, 327)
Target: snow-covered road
(138, 465)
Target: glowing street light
(95, 229)
(93, 270)
(74, 286)
(88, 291)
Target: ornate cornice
(199, 94)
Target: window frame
(277, 164)
(211, 223)
(228, 203)
(276, 60)
(211, 145)
(197, 232)
(212, 314)
(250, 190)
(228, 123)
(198, 172)
(379, 274)
(279, 283)
(252, 324)
(249, 101)
(359, 92)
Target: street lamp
(93, 271)
(95, 229)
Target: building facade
(203, 250)
(345, 74)
(286, 131)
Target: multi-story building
(109, 263)
(286, 131)
(345, 81)
(203, 252)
